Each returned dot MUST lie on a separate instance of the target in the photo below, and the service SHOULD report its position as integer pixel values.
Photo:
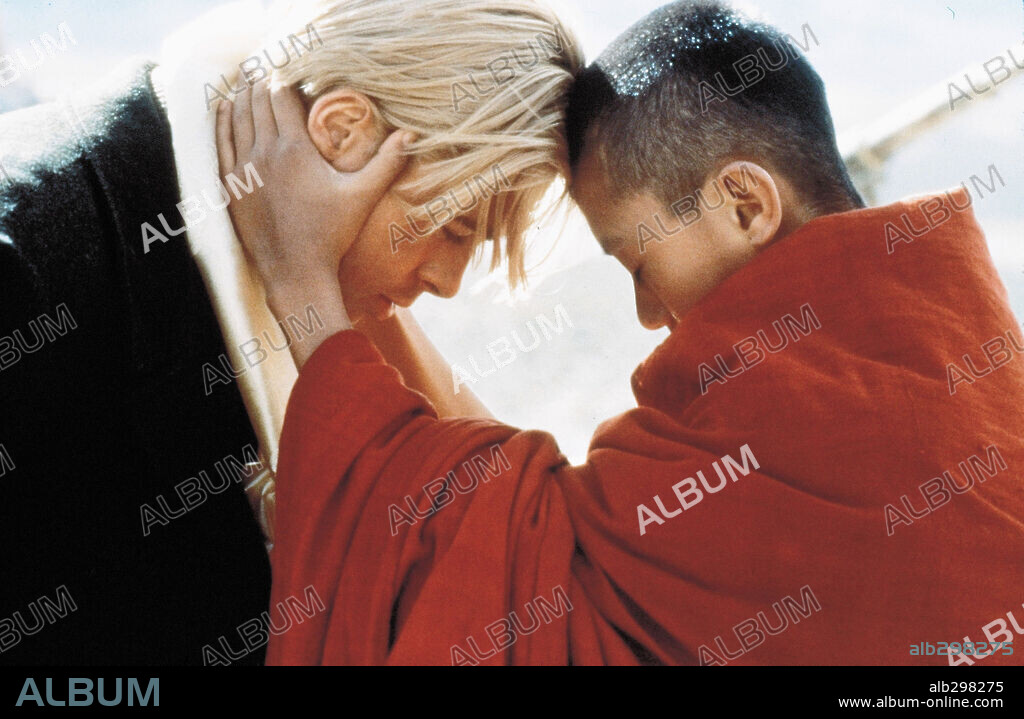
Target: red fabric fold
(852, 415)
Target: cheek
(369, 262)
(681, 271)
(371, 268)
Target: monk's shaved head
(695, 85)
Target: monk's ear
(344, 127)
(753, 201)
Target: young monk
(824, 464)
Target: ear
(754, 202)
(344, 128)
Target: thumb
(389, 161)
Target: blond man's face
(394, 260)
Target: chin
(386, 311)
(374, 307)
(355, 312)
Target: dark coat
(103, 402)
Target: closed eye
(458, 240)
(459, 228)
(459, 232)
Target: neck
(799, 213)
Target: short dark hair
(653, 104)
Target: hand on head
(291, 227)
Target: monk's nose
(649, 310)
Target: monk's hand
(301, 221)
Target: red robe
(838, 358)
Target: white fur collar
(200, 53)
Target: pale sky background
(873, 55)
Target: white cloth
(200, 53)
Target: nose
(649, 310)
(442, 273)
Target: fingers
(384, 167)
(289, 112)
(241, 123)
(225, 141)
(265, 126)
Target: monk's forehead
(598, 198)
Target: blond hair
(482, 83)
